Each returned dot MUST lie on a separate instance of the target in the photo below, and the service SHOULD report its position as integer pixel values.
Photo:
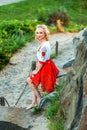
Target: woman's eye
(39, 32)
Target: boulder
(74, 93)
(17, 118)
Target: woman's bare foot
(31, 106)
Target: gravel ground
(13, 77)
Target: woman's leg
(35, 92)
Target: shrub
(43, 14)
(10, 40)
(58, 14)
(83, 4)
(4, 59)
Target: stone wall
(74, 94)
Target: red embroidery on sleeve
(43, 53)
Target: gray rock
(68, 63)
(74, 94)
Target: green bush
(73, 27)
(4, 59)
(59, 14)
(43, 14)
(10, 39)
(56, 124)
(8, 28)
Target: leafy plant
(3, 59)
(56, 124)
(54, 112)
(10, 39)
(42, 14)
(36, 110)
(73, 27)
(53, 56)
(58, 14)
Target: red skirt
(46, 76)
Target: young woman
(46, 71)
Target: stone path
(13, 77)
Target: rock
(10, 126)
(68, 63)
(74, 94)
(46, 99)
(19, 117)
(61, 73)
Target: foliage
(53, 29)
(8, 28)
(10, 39)
(36, 110)
(34, 10)
(73, 27)
(53, 56)
(42, 14)
(3, 59)
(83, 4)
(54, 112)
(56, 124)
(58, 14)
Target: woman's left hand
(34, 72)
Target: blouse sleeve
(43, 54)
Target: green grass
(54, 113)
(29, 9)
(26, 9)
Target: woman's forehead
(39, 30)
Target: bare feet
(34, 104)
(31, 106)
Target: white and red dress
(47, 75)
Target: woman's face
(40, 35)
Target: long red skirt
(46, 76)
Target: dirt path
(13, 77)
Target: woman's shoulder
(46, 43)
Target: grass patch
(53, 56)
(54, 112)
(36, 9)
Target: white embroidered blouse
(43, 53)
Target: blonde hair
(46, 30)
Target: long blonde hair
(46, 30)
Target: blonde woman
(46, 70)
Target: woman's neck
(43, 40)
